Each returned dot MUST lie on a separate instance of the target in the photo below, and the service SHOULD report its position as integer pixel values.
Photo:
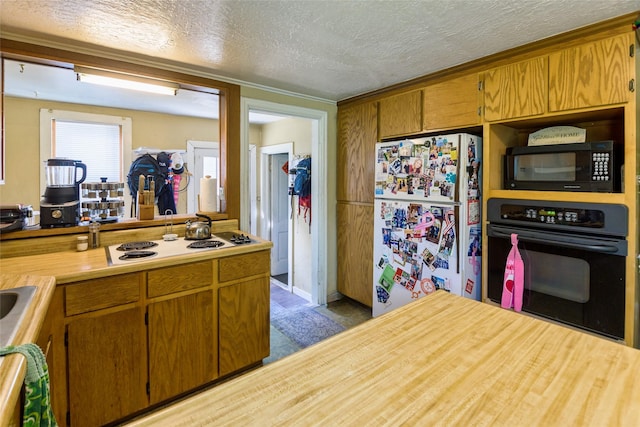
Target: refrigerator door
(415, 252)
(421, 169)
(469, 218)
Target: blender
(60, 206)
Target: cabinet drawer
(240, 266)
(91, 295)
(164, 281)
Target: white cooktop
(164, 249)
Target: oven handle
(526, 237)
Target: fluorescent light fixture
(125, 81)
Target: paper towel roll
(208, 194)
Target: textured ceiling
(325, 49)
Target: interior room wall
(22, 142)
(297, 131)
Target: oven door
(570, 278)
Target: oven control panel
(591, 218)
(606, 219)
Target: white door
(279, 183)
(202, 160)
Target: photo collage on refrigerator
(418, 170)
(417, 218)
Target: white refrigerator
(427, 227)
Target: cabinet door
(243, 324)
(590, 75)
(452, 103)
(357, 135)
(355, 251)
(51, 341)
(401, 114)
(181, 345)
(516, 90)
(107, 369)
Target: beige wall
(297, 131)
(22, 137)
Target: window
(97, 145)
(101, 142)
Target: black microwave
(585, 166)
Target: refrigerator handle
(456, 213)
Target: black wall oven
(574, 256)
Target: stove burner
(133, 254)
(200, 244)
(240, 239)
(136, 246)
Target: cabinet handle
(632, 85)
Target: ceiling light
(125, 81)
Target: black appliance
(574, 256)
(587, 167)
(235, 238)
(60, 206)
(14, 217)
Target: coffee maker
(60, 206)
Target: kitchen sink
(13, 306)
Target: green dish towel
(37, 402)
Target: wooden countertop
(125, 224)
(442, 360)
(13, 367)
(71, 266)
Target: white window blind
(97, 145)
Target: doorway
(276, 209)
(279, 214)
(319, 210)
(202, 160)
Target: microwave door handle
(527, 238)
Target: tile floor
(346, 312)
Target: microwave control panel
(589, 218)
(601, 166)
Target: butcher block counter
(126, 337)
(442, 360)
(13, 367)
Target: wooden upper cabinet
(516, 90)
(401, 114)
(357, 135)
(452, 103)
(590, 75)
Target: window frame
(47, 116)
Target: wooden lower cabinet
(107, 369)
(181, 355)
(120, 344)
(243, 324)
(355, 251)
